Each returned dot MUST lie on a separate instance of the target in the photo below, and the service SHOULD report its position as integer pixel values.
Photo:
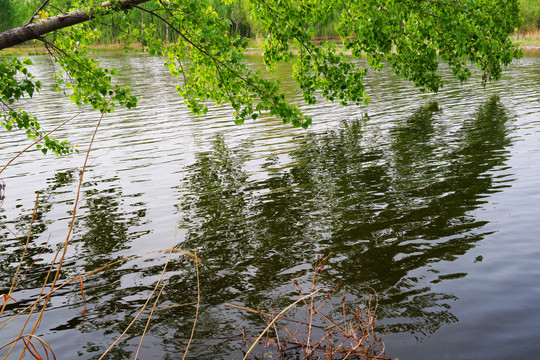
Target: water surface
(432, 200)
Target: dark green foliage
(6, 14)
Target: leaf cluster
(90, 84)
(17, 82)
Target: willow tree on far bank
(411, 37)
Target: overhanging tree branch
(33, 31)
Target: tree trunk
(36, 30)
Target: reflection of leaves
(485, 135)
(61, 179)
(413, 141)
(104, 219)
(425, 312)
(218, 185)
(217, 208)
(55, 186)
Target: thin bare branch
(37, 12)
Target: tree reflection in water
(389, 206)
(388, 211)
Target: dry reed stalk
(61, 260)
(83, 299)
(33, 262)
(28, 343)
(131, 323)
(47, 295)
(43, 296)
(149, 319)
(196, 310)
(260, 312)
(319, 265)
(3, 186)
(275, 319)
(15, 276)
(12, 233)
(32, 349)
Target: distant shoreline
(528, 42)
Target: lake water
(431, 200)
